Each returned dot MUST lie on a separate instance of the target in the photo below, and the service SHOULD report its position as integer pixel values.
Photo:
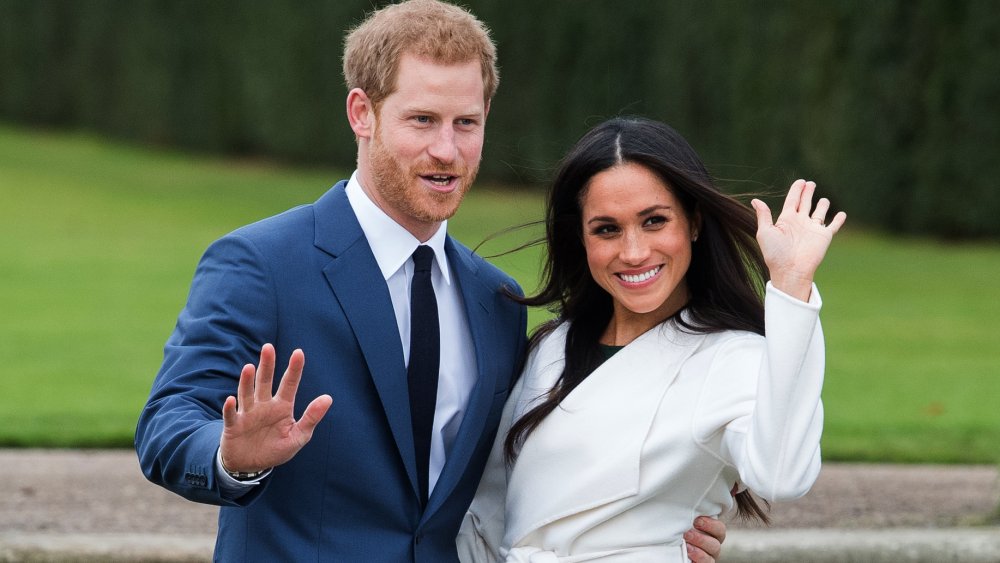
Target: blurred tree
(892, 106)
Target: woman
(653, 395)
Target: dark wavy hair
(725, 280)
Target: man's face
(427, 143)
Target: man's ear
(360, 113)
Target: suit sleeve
(765, 395)
(229, 315)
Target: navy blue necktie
(425, 351)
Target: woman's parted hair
(725, 279)
(439, 31)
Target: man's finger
(293, 375)
(312, 416)
(265, 373)
(711, 526)
(701, 546)
(229, 412)
(698, 556)
(244, 392)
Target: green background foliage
(99, 241)
(891, 106)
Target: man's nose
(443, 147)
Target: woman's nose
(634, 248)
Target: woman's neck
(625, 325)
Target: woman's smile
(639, 279)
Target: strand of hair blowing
(725, 279)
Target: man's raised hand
(260, 430)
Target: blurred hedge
(892, 106)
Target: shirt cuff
(230, 487)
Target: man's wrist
(240, 475)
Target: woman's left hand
(795, 244)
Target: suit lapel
(479, 303)
(361, 291)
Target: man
(389, 474)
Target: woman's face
(638, 243)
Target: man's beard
(402, 190)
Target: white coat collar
(614, 408)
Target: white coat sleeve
(482, 529)
(770, 394)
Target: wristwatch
(242, 475)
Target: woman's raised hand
(795, 244)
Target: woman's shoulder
(734, 336)
(732, 340)
(550, 337)
(547, 353)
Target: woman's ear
(360, 113)
(695, 225)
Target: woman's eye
(601, 230)
(655, 220)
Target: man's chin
(445, 205)
(441, 214)
(441, 210)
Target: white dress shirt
(393, 246)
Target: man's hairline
(427, 58)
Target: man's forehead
(423, 84)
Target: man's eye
(422, 119)
(466, 122)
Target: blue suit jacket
(308, 279)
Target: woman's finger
(837, 222)
(822, 207)
(791, 204)
(764, 218)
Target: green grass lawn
(98, 243)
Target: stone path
(77, 495)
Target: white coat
(656, 436)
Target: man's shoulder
(489, 273)
(286, 223)
(287, 226)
